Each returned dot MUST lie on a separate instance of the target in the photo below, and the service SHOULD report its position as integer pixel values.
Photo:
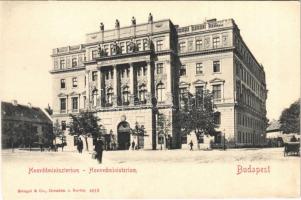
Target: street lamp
(137, 132)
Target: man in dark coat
(80, 145)
(99, 149)
(191, 145)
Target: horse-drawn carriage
(292, 148)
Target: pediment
(184, 84)
(73, 94)
(216, 80)
(199, 82)
(61, 95)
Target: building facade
(128, 75)
(24, 126)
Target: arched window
(160, 92)
(142, 93)
(94, 97)
(109, 95)
(125, 95)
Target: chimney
(29, 105)
(15, 102)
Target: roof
(23, 113)
(274, 126)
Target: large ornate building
(118, 72)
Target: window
(201, 138)
(94, 54)
(183, 70)
(159, 45)
(139, 45)
(142, 94)
(109, 96)
(128, 47)
(160, 68)
(85, 101)
(190, 45)
(74, 62)
(198, 44)
(122, 49)
(74, 82)
(216, 42)
(199, 68)
(113, 50)
(239, 137)
(63, 125)
(106, 50)
(217, 118)
(145, 44)
(160, 92)
(144, 71)
(94, 76)
(74, 103)
(139, 69)
(125, 96)
(183, 94)
(216, 66)
(217, 92)
(63, 104)
(182, 46)
(199, 95)
(62, 64)
(94, 98)
(63, 83)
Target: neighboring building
(276, 137)
(24, 125)
(117, 72)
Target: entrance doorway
(123, 135)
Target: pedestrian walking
(133, 145)
(191, 145)
(80, 145)
(99, 149)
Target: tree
(13, 134)
(290, 118)
(86, 123)
(197, 114)
(57, 131)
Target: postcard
(147, 99)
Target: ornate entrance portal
(123, 135)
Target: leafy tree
(13, 134)
(86, 123)
(290, 118)
(197, 114)
(57, 131)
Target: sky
(30, 30)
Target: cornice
(57, 71)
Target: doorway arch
(123, 135)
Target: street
(167, 173)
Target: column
(131, 86)
(99, 86)
(87, 90)
(115, 84)
(67, 107)
(149, 81)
